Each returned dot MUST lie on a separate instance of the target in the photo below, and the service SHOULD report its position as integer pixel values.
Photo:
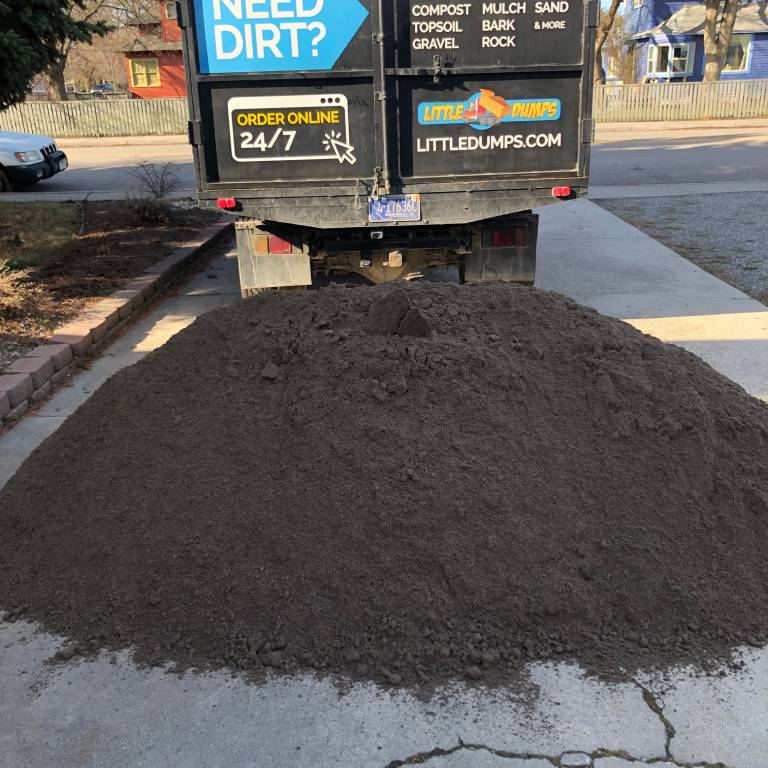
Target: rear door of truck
(306, 108)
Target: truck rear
(387, 138)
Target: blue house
(666, 40)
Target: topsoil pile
(409, 484)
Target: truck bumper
(31, 173)
(330, 208)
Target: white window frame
(669, 72)
(638, 3)
(747, 57)
(168, 4)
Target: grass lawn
(724, 234)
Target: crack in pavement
(422, 757)
(653, 701)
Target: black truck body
(386, 137)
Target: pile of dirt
(406, 484)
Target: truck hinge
(195, 134)
(588, 130)
(379, 96)
(437, 68)
(182, 14)
(379, 37)
(593, 12)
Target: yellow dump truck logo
(485, 109)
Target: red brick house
(154, 61)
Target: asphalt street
(623, 158)
(667, 157)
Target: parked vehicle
(103, 89)
(26, 158)
(387, 138)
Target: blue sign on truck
(242, 36)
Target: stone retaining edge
(29, 378)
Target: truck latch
(380, 184)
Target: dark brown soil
(304, 480)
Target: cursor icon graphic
(344, 152)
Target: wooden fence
(680, 101)
(612, 104)
(107, 117)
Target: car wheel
(5, 182)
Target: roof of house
(152, 43)
(689, 20)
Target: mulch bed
(114, 246)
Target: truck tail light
(561, 191)
(226, 203)
(277, 244)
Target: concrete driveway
(107, 713)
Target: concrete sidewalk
(107, 713)
(125, 141)
(680, 125)
(600, 260)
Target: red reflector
(278, 245)
(561, 191)
(226, 202)
(504, 238)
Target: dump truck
(387, 138)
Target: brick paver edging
(31, 377)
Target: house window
(145, 73)
(670, 60)
(170, 9)
(637, 3)
(737, 56)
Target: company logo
(485, 109)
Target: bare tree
(102, 60)
(604, 27)
(132, 12)
(719, 20)
(620, 57)
(91, 12)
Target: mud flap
(503, 249)
(270, 259)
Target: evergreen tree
(31, 34)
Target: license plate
(63, 164)
(394, 208)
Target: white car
(26, 158)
